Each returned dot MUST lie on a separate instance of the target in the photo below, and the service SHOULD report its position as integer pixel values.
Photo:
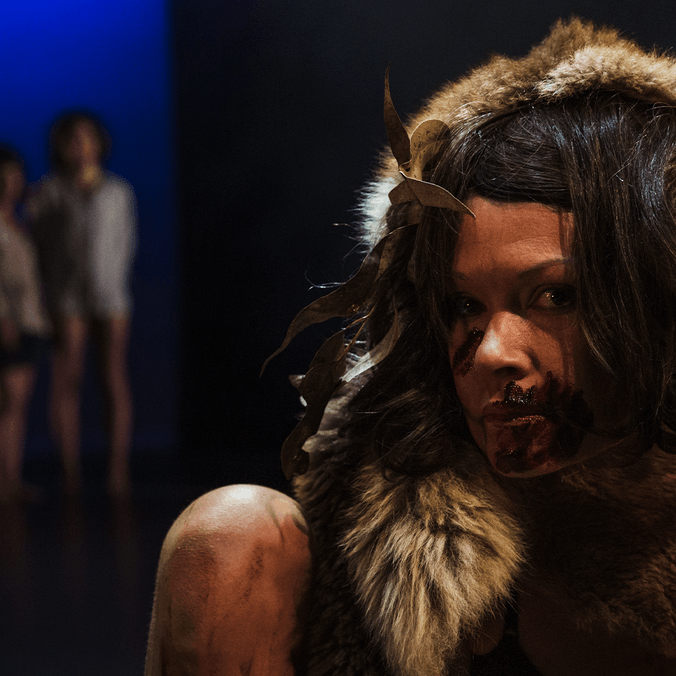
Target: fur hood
(574, 59)
(405, 568)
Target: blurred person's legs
(70, 345)
(112, 336)
(17, 387)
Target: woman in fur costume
(484, 482)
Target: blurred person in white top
(84, 219)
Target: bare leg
(232, 574)
(112, 336)
(67, 371)
(17, 387)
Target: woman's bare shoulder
(232, 571)
(239, 511)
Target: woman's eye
(557, 297)
(464, 306)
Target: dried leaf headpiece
(413, 155)
(329, 366)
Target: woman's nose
(505, 347)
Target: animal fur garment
(407, 567)
(424, 560)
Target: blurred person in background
(24, 326)
(85, 223)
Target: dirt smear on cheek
(463, 359)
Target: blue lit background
(112, 57)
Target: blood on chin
(525, 447)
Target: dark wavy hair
(607, 159)
(62, 131)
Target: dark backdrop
(279, 108)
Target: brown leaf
(317, 388)
(348, 298)
(424, 145)
(432, 195)
(377, 354)
(396, 132)
(401, 194)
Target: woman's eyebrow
(564, 261)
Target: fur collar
(429, 559)
(603, 544)
(406, 567)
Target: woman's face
(530, 392)
(83, 147)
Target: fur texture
(406, 567)
(603, 542)
(428, 559)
